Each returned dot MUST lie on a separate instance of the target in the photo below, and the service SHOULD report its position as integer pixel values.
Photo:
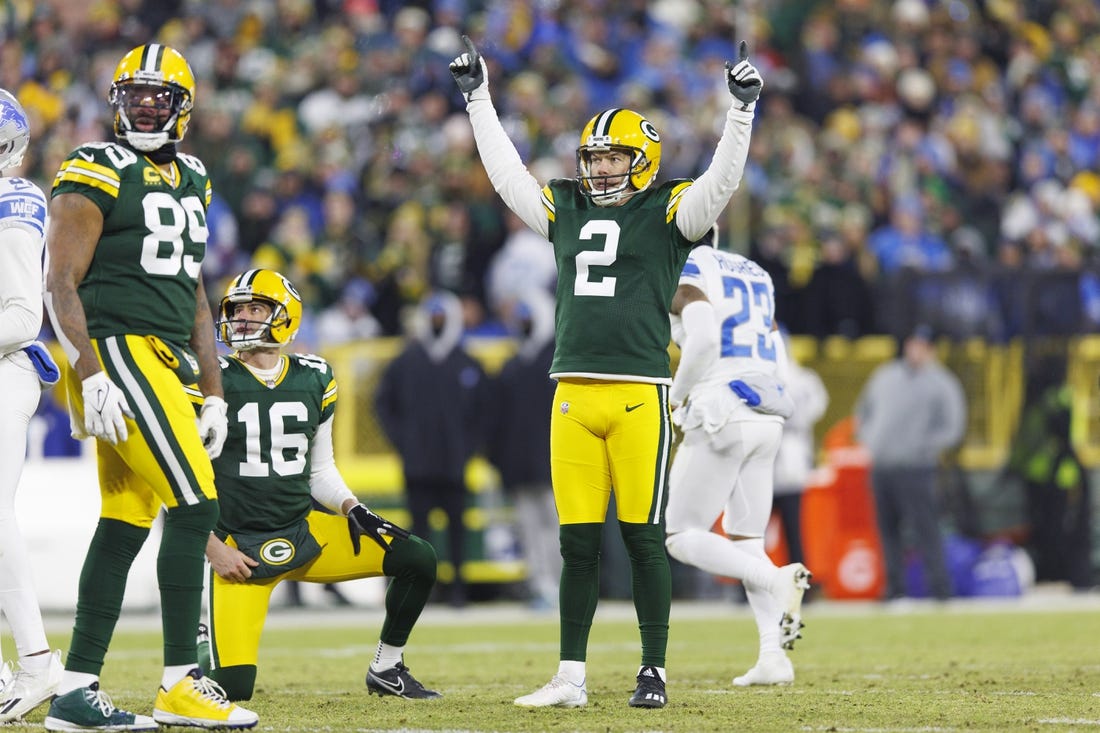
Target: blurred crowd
(892, 138)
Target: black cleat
(398, 681)
(650, 692)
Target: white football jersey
(23, 205)
(743, 298)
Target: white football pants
(727, 472)
(18, 600)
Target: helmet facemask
(592, 185)
(148, 115)
(244, 334)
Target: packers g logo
(278, 551)
(650, 131)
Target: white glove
(105, 409)
(213, 425)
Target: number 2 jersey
(145, 270)
(264, 469)
(617, 271)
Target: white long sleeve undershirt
(326, 485)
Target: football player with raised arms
(620, 240)
(25, 366)
(729, 397)
(276, 461)
(125, 295)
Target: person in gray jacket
(911, 410)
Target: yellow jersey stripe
(330, 395)
(90, 174)
(548, 203)
(674, 200)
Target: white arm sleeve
(326, 485)
(699, 350)
(704, 200)
(20, 288)
(509, 176)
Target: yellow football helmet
(619, 129)
(152, 95)
(278, 329)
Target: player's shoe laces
(650, 692)
(89, 708)
(794, 581)
(770, 669)
(558, 692)
(399, 682)
(200, 702)
(30, 688)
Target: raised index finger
(471, 49)
(743, 49)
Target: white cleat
(558, 692)
(27, 690)
(794, 581)
(770, 669)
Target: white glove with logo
(105, 409)
(213, 425)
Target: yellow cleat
(199, 702)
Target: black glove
(743, 79)
(362, 521)
(469, 70)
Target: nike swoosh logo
(86, 156)
(632, 408)
(398, 689)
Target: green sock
(112, 550)
(180, 574)
(580, 586)
(652, 586)
(412, 565)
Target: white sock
(721, 556)
(761, 601)
(572, 671)
(174, 674)
(75, 680)
(660, 672)
(386, 657)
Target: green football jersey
(145, 270)
(262, 474)
(618, 267)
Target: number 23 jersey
(263, 471)
(145, 271)
(743, 298)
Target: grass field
(963, 666)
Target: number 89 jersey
(145, 270)
(743, 298)
(263, 471)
